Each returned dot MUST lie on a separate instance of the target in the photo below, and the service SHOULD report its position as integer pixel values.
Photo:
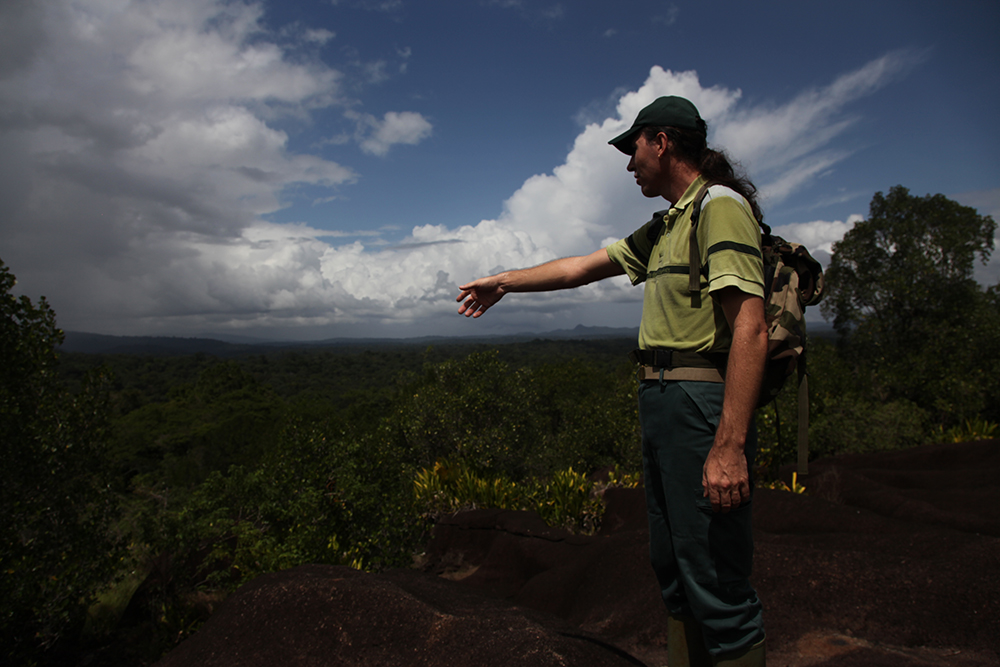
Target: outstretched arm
(558, 274)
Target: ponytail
(692, 147)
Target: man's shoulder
(719, 192)
(723, 205)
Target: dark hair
(692, 146)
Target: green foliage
(313, 498)
(519, 422)
(475, 409)
(972, 429)
(777, 434)
(844, 417)
(56, 544)
(918, 354)
(266, 461)
(853, 425)
(109, 605)
(590, 417)
(340, 489)
(451, 487)
(914, 324)
(912, 258)
(225, 417)
(794, 487)
(566, 498)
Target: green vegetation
(566, 498)
(916, 330)
(917, 355)
(57, 546)
(138, 490)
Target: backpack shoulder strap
(694, 253)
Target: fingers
(725, 499)
(464, 309)
(472, 306)
(724, 479)
(472, 309)
(478, 296)
(729, 501)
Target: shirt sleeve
(731, 242)
(632, 252)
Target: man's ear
(663, 144)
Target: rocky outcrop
(325, 615)
(892, 559)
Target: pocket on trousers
(707, 397)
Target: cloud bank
(141, 147)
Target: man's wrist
(728, 444)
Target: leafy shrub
(518, 422)
(914, 324)
(778, 485)
(850, 425)
(314, 498)
(972, 429)
(566, 499)
(590, 418)
(477, 409)
(777, 434)
(223, 418)
(57, 547)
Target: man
(698, 437)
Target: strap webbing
(679, 374)
(664, 358)
(694, 255)
(804, 425)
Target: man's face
(645, 165)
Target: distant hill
(225, 345)
(89, 343)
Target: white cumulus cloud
(141, 146)
(818, 235)
(405, 127)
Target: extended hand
(479, 295)
(725, 478)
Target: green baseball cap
(670, 111)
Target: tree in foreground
(914, 324)
(56, 548)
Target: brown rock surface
(892, 560)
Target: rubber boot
(685, 646)
(752, 657)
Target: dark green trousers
(702, 558)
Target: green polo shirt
(729, 244)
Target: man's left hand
(725, 478)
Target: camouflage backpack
(793, 280)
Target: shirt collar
(688, 196)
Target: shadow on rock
(892, 559)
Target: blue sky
(308, 169)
